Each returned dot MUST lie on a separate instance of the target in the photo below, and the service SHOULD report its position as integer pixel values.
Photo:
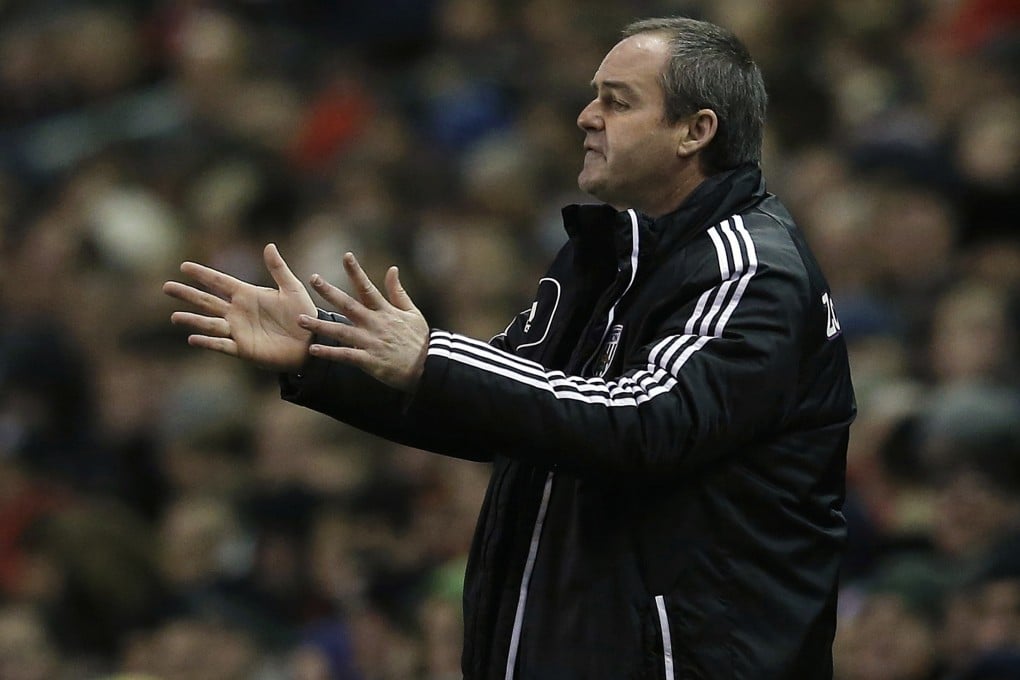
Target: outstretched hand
(240, 319)
(388, 338)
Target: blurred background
(164, 515)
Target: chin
(590, 185)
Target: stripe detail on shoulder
(738, 262)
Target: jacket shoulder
(783, 239)
(759, 242)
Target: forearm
(351, 396)
(647, 424)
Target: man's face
(630, 158)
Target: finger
(206, 325)
(204, 301)
(346, 355)
(278, 269)
(396, 293)
(222, 284)
(222, 345)
(363, 286)
(341, 301)
(345, 334)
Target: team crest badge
(609, 351)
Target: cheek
(642, 153)
(624, 150)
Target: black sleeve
(719, 373)
(350, 395)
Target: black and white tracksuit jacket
(668, 426)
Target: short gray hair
(710, 68)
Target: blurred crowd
(164, 515)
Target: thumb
(395, 291)
(279, 270)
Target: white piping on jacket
(667, 643)
(522, 597)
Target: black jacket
(668, 429)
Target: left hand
(388, 338)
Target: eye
(615, 103)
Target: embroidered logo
(540, 316)
(609, 351)
(832, 328)
(531, 316)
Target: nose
(589, 119)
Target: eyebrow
(618, 85)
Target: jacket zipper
(667, 643)
(536, 532)
(611, 316)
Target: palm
(251, 322)
(263, 324)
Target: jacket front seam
(522, 597)
(634, 251)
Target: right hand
(251, 322)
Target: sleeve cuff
(293, 383)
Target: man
(667, 423)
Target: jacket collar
(597, 227)
(718, 197)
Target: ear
(697, 131)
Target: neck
(688, 179)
